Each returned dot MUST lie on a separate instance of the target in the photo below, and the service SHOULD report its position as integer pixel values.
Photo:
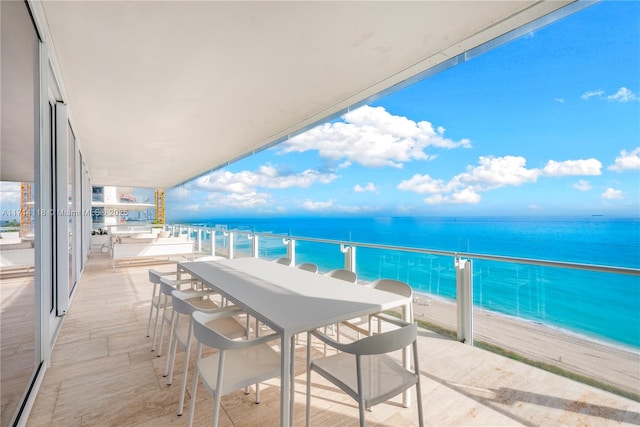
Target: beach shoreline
(611, 364)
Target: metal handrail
(456, 254)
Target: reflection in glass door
(20, 345)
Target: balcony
(103, 373)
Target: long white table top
(288, 299)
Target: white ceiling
(163, 91)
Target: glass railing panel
(271, 247)
(205, 241)
(191, 234)
(241, 245)
(432, 278)
(584, 322)
(426, 273)
(597, 305)
(222, 243)
(326, 256)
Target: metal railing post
(254, 245)
(212, 233)
(349, 257)
(291, 250)
(199, 239)
(464, 299)
(230, 243)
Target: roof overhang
(163, 91)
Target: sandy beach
(610, 364)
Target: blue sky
(548, 124)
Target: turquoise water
(600, 305)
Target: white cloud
(372, 137)
(250, 199)
(354, 209)
(535, 207)
(370, 187)
(592, 93)
(491, 173)
(572, 167)
(496, 172)
(560, 100)
(611, 194)
(623, 95)
(266, 176)
(627, 161)
(582, 185)
(223, 181)
(423, 184)
(178, 193)
(331, 206)
(464, 196)
(310, 205)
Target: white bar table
(289, 301)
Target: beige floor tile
(103, 374)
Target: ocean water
(603, 306)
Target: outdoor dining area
(290, 301)
(251, 341)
